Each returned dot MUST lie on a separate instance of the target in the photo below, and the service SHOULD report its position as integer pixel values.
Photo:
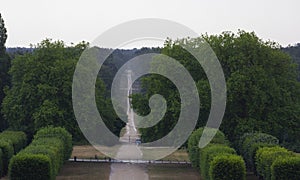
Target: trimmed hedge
(252, 153)
(11, 142)
(60, 133)
(7, 152)
(193, 144)
(30, 166)
(265, 158)
(1, 163)
(18, 139)
(46, 154)
(207, 155)
(249, 143)
(227, 167)
(286, 168)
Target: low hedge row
(11, 142)
(219, 161)
(249, 143)
(60, 133)
(18, 139)
(269, 160)
(43, 158)
(266, 158)
(193, 144)
(286, 168)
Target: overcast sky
(30, 21)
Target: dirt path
(129, 150)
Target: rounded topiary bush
(227, 167)
(208, 153)
(286, 168)
(18, 139)
(250, 142)
(193, 144)
(266, 156)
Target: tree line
(263, 94)
(261, 78)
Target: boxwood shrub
(59, 133)
(252, 153)
(30, 166)
(11, 142)
(7, 152)
(227, 167)
(250, 142)
(208, 153)
(193, 144)
(18, 139)
(46, 154)
(266, 156)
(54, 144)
(1, 164)
(286, 168)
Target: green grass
(172, 171)
(72, 170)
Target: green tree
(3, 35)
(41, 92)
(4, 68)
(262, 88)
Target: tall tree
(4, 68)
(262, 89)
(41, 91)
(3, 35)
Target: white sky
(30, 21)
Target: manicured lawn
(173, 171)
(73, 170)
(88, 151)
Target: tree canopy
(262, 89)
(41, 92)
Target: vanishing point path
(129, 150)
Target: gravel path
(129, 150)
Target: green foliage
(3, 35)
(51, 151)
(227, 167)
(1, 163)
(287, 168)
(41, 91)
(59, 133)
(251, 153)
(30, 166)
(47, 153)
(294, 52)
(11, 142)
(249, 144)
(18, 139)
(4, 68)
(7, 152)
(261, 80)
(193, 144)
(207, 155)
(266, 156)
